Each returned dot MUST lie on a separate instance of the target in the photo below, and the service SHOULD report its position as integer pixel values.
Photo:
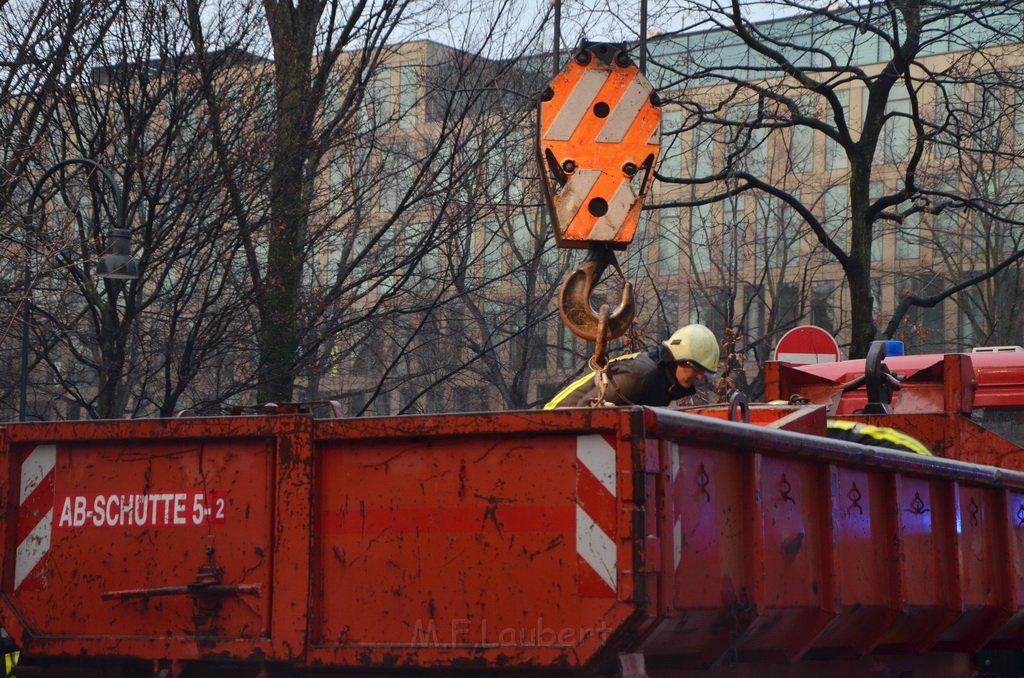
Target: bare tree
(290, 211)
(811, 79)
(739, 262)
(156, 345)
(45, 49)
(977, 244)
(347, 105)
(478, 308)
(48, 49)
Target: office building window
(671, 144)
(567, 357)
(908, 237)
(824, 304)
(703, 151)
(894, 141)
(801, 138)
(669, 248)
(700, 238)
(407, 94)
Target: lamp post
(116, 263)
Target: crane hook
(574, 301)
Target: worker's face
(688, 374)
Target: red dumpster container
(589, 541)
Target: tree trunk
(858, 266)
(292, 29)
(111, 368)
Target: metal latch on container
(207, 584)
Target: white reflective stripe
(655, 137)
(608, 226)
(577, 105)
(677, 523)
(574, 194)
(625, 112)
(595, 547)
(32, 549)
(39, 463)
(807, 358)
(598, 456)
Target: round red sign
(807, 345)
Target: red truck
(738, 541)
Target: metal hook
(879, 380)
(574, 300)
(739, 407)
(599, 361)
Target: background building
(406, 251)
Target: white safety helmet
(697, 344)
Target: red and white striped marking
(677, 509)
(596, 549)
(35, 517)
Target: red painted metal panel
(932, 383)
(444, 510)
(866, 562)
(510, 549)
(794, 569)
(985, 582)
(127, 516)
(707, 539)
(787, 417)
(1011, 522)
(159, 538)
(929, 586)
(954, 437)
(854, 550)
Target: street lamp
(116, 263)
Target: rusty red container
(625, 539)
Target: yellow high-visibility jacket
(880, 436)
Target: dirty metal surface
(528, 541)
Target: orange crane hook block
(600, 131)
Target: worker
(657, 376)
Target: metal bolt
(629, 169)
(622, 59)
(583, 58)
(569, 166)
